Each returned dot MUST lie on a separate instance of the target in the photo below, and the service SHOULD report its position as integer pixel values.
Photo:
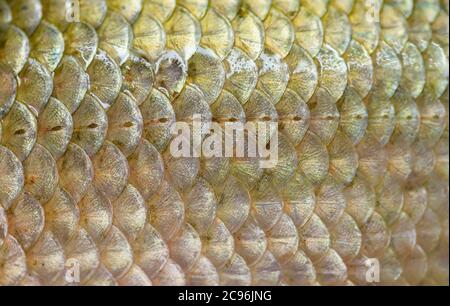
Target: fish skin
(358, 88)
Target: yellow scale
(90, 90)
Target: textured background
(359, 89)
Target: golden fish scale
(85, 116)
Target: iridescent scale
(358, 88)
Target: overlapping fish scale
(359, 90)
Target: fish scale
(359, 89)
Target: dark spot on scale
(56, 128)
(19, 132)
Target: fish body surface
(91, 192)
